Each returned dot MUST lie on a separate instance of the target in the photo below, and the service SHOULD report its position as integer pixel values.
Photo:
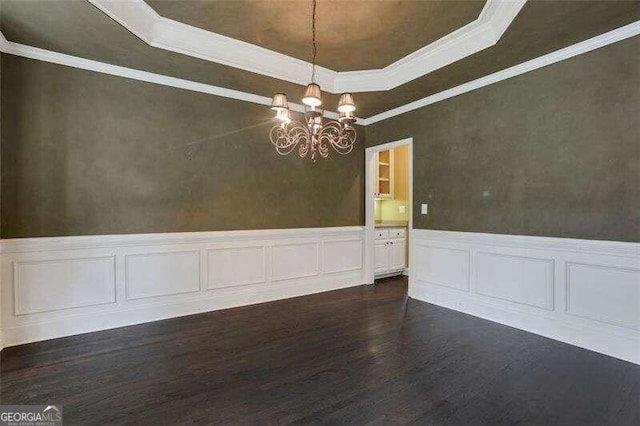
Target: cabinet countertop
(390, 224)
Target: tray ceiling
(164, 33)
(355, 36)
(77, 28)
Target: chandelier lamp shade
(281, 107)
(314, 136)
(312, 96)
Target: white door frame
(369, 206)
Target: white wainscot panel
(604, 293)
(234, 266)
(295, 260)
(442, 265)
(162, 274)
(524, 280)
(342, 256)
(50, 285)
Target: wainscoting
(54, 287)
(583, 292)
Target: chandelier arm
(284, 143)
(323, 149)
(286, 138)
(341, 138)
(305, 147)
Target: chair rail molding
(158, 31)
(582, 292)
(61, 286)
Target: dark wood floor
(354, 356)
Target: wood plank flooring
(364, 355)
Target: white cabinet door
(381, 257)
(396, 254)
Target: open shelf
(384, 175)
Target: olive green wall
(87, 153)
(554, 152)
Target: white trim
(389, 274)
(484, 32)
(164, 33)
(616, 248)
(369, 207)
(174, 275)
(551, 58)
(158, 31)
(605, 39)
(23, 245)
(234, 297)
(524, 282)
(149, 77)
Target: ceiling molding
(157, 31)
(484, 32)
(605, 39)
(101, 67)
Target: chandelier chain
(313, 42)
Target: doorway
(380, 240)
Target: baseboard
(580, 292)
(605, 342)
(56, 287)
(405, 272)
(80, 324)
(389, 274)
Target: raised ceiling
(78, 28)
(354, 35)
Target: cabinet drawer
(381, 234)
(397, 233)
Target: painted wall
(86, 153)
(554, 152)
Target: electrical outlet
(425, 209)
(402, 209)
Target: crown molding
(101, 67)
(157, 31)
(484, 32)
(605, 39)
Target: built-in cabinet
(389, 251)
(384, 174)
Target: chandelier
(313, 137)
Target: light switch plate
(402, 209)
(425, 209)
